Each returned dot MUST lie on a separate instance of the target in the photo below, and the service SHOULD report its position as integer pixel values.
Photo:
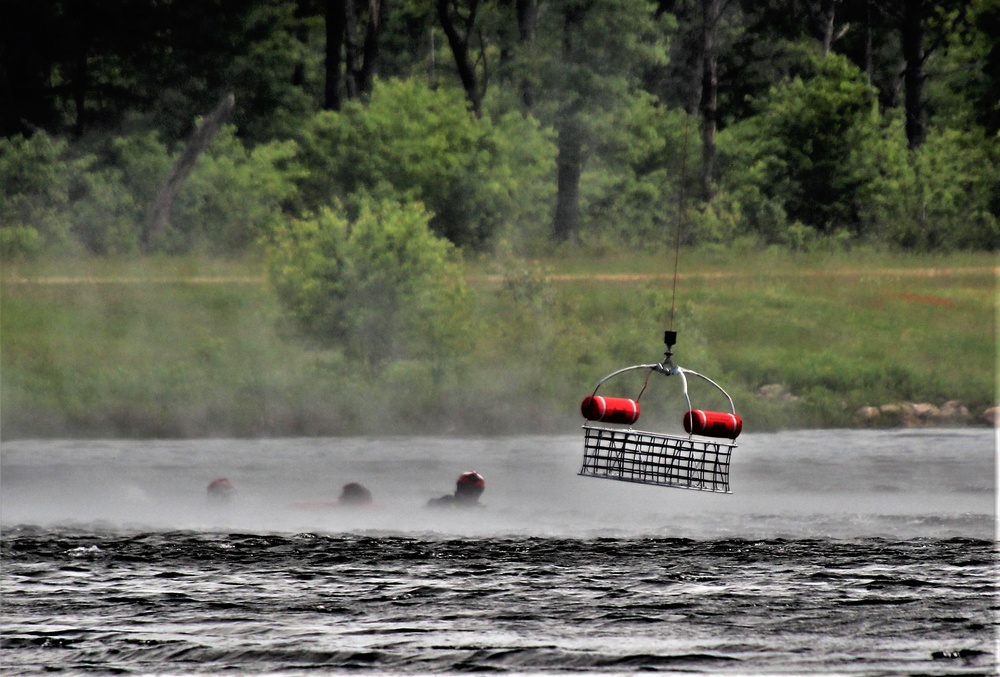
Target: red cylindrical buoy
(713, 423)
(610, 409)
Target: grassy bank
(189, 347)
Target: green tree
(986, 47)
(632, 184)
(586, 57)
(806, 150)
(420, 144)
(71, 66)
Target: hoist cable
(680, 216)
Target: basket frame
(629, 455)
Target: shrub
(233, 194)
(379, 286)
(938, 196)
(106, 218)
(99, 200)
(36, 176)
(19, 242)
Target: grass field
(191, 347)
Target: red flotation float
(713, 424)
(610, 409)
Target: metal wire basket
(699, 461)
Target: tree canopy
(527, 120)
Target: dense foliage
(474, 175)
(372, 145)
(523, 120)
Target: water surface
(852, 552)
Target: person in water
(354, 494)
(468, 489)
(220, 489)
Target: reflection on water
(830, 483)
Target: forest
(603, 122)
(394, 170)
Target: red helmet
(220, 486)
(472, 479)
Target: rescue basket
(613, 450)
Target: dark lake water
(849, 552)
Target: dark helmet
(355, 494)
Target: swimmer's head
(470, 486)
(220, 488)
(355, 494)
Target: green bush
(106, 220)
(36, 182)
(98, 201)
(67, 196)
(144, 161)
(19, 242)
(233, 195)
(379, 286)
(224, 206)
(937, 197)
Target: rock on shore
(922, 414)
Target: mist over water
(849, 552)
(838, 484)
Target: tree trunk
(869, 51)
(447, 11)
(913, 75)
(695, 63)
(159, 215)
(302, 35)
(569, 147)
(336, 21)
(527, 12)
(81, 79)
(569, 166)
(431, 59)
(828, 19)
(711, 12)
(369, 66)
(527, 16)
(350, 49)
